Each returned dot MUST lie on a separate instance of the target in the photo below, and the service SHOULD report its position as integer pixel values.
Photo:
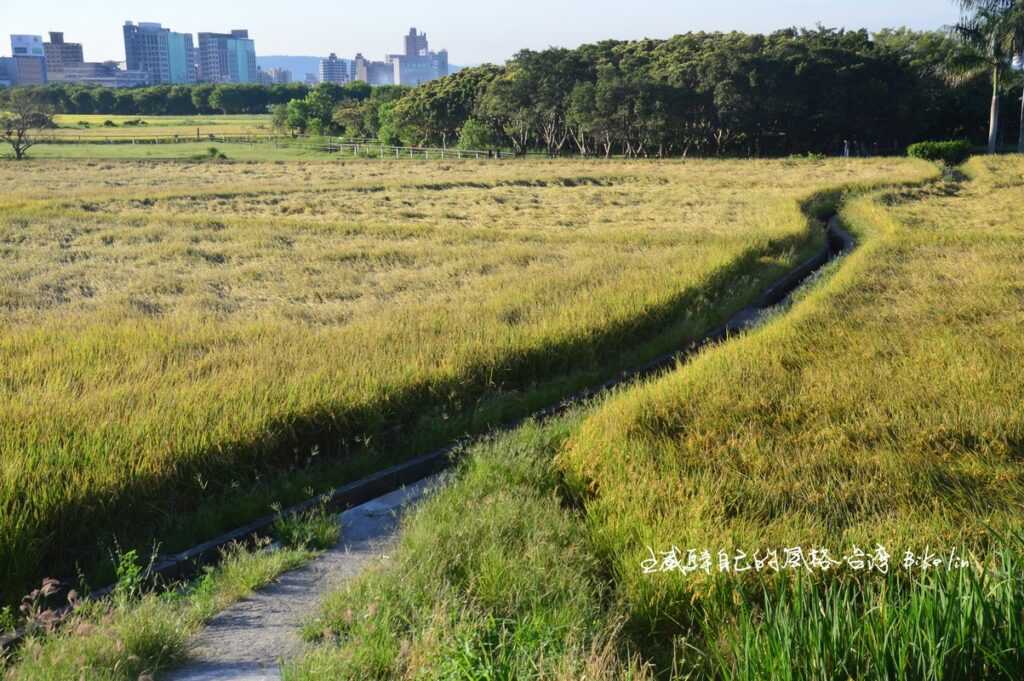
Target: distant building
(310, 79)
(374, 72)
(270, 77)
(334, 70)
(29, 60)
(418, 64)
(167, 57)
(227, 57)
(7, 71)
(105, 74)
(280, 76)
(60, 54)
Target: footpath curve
(249, 640)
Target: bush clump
(952, 153)
(212, 154)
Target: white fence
(384, 151)
(357, 148)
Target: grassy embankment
(882, 408)
(185, 343)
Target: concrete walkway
(248, 641)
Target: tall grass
(491, 579)
(960, 624)
(136, 635)
(222, 335)
(881, 407)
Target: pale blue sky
(474, 31)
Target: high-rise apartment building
(167, 57)
(334, 70)
(418, 64)
(416, 44)
(60, 54)
(374, 72)
(29, 59)
(227, 57)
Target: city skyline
(473, 34)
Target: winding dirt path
(248, 641)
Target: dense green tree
(83, 101)
(993, 31)
(201, 98)
(104, 100)
(792, 91)
(279, 116)
(297, 117)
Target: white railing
(385, 151)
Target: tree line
(709, 94)
(161, 100)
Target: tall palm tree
(993, 33)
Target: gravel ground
(248, 641)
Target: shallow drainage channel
(185, 564)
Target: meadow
(880, 407)
(185, 343)
(268, 151)
(86, 126)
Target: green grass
(137, 635)
(186, 343)
(491, 579)
(70, 126)
(182, 152)
(882, 406)
(316, 529)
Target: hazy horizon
(472, 34)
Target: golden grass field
(882, 405)
(885, 408)
(180, 339)
(91, 126)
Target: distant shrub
(809, 156)
(84, 124)
(109, 124)
(132, 122)
(212, 154)
(952, 153)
